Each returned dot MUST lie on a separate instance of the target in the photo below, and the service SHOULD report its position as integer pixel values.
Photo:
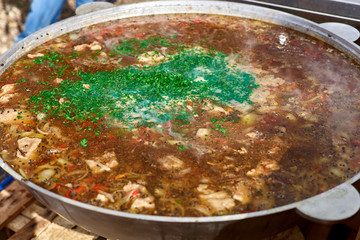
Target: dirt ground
(13, 15)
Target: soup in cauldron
(182, 115)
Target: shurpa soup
(182, 115)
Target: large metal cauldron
(336, 204)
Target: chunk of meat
(203, 133)
(36, 55)
(95, 46)
(242, 150)
(139, 203)
(264, 167)
(151, 57)
(280, 147)
(214, 109)
(203, 188)
(81, 47)
(102, 198)
(57, 132)
(170, 162)
(7, 92)
(217, 201)
(253, 134)
(58, 80)
(261, 95)
(103, 163)
(27, 146)
(143, 203)
(8, 88)
(92, 46)
(134, 186)
(220, 204)
(241, 193)
(97, 167)
(203, 209)
(10, 115)
(6, 98)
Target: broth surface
(182, 115)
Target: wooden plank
(61, 228)
(13, 199)
(18, 223)
(55, 231)
(34, 210)
(34, 227)
(59, 220)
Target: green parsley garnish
(21, 80)
(149, 94)
(83, 142)
(223, 130)
(181, 147)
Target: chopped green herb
(21, 80)
(181, 147)
(19, 116)
(223, 130)
(213, 120)
(83, 142)
(75, 54)
(146, 95)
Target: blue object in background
(43, 13)
(6, 182)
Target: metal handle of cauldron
(339, 203)
(345, 31)
(92, 7)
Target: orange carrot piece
(120, 176)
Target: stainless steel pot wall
(336, 204)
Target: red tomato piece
(135, 193)
(98, 187)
